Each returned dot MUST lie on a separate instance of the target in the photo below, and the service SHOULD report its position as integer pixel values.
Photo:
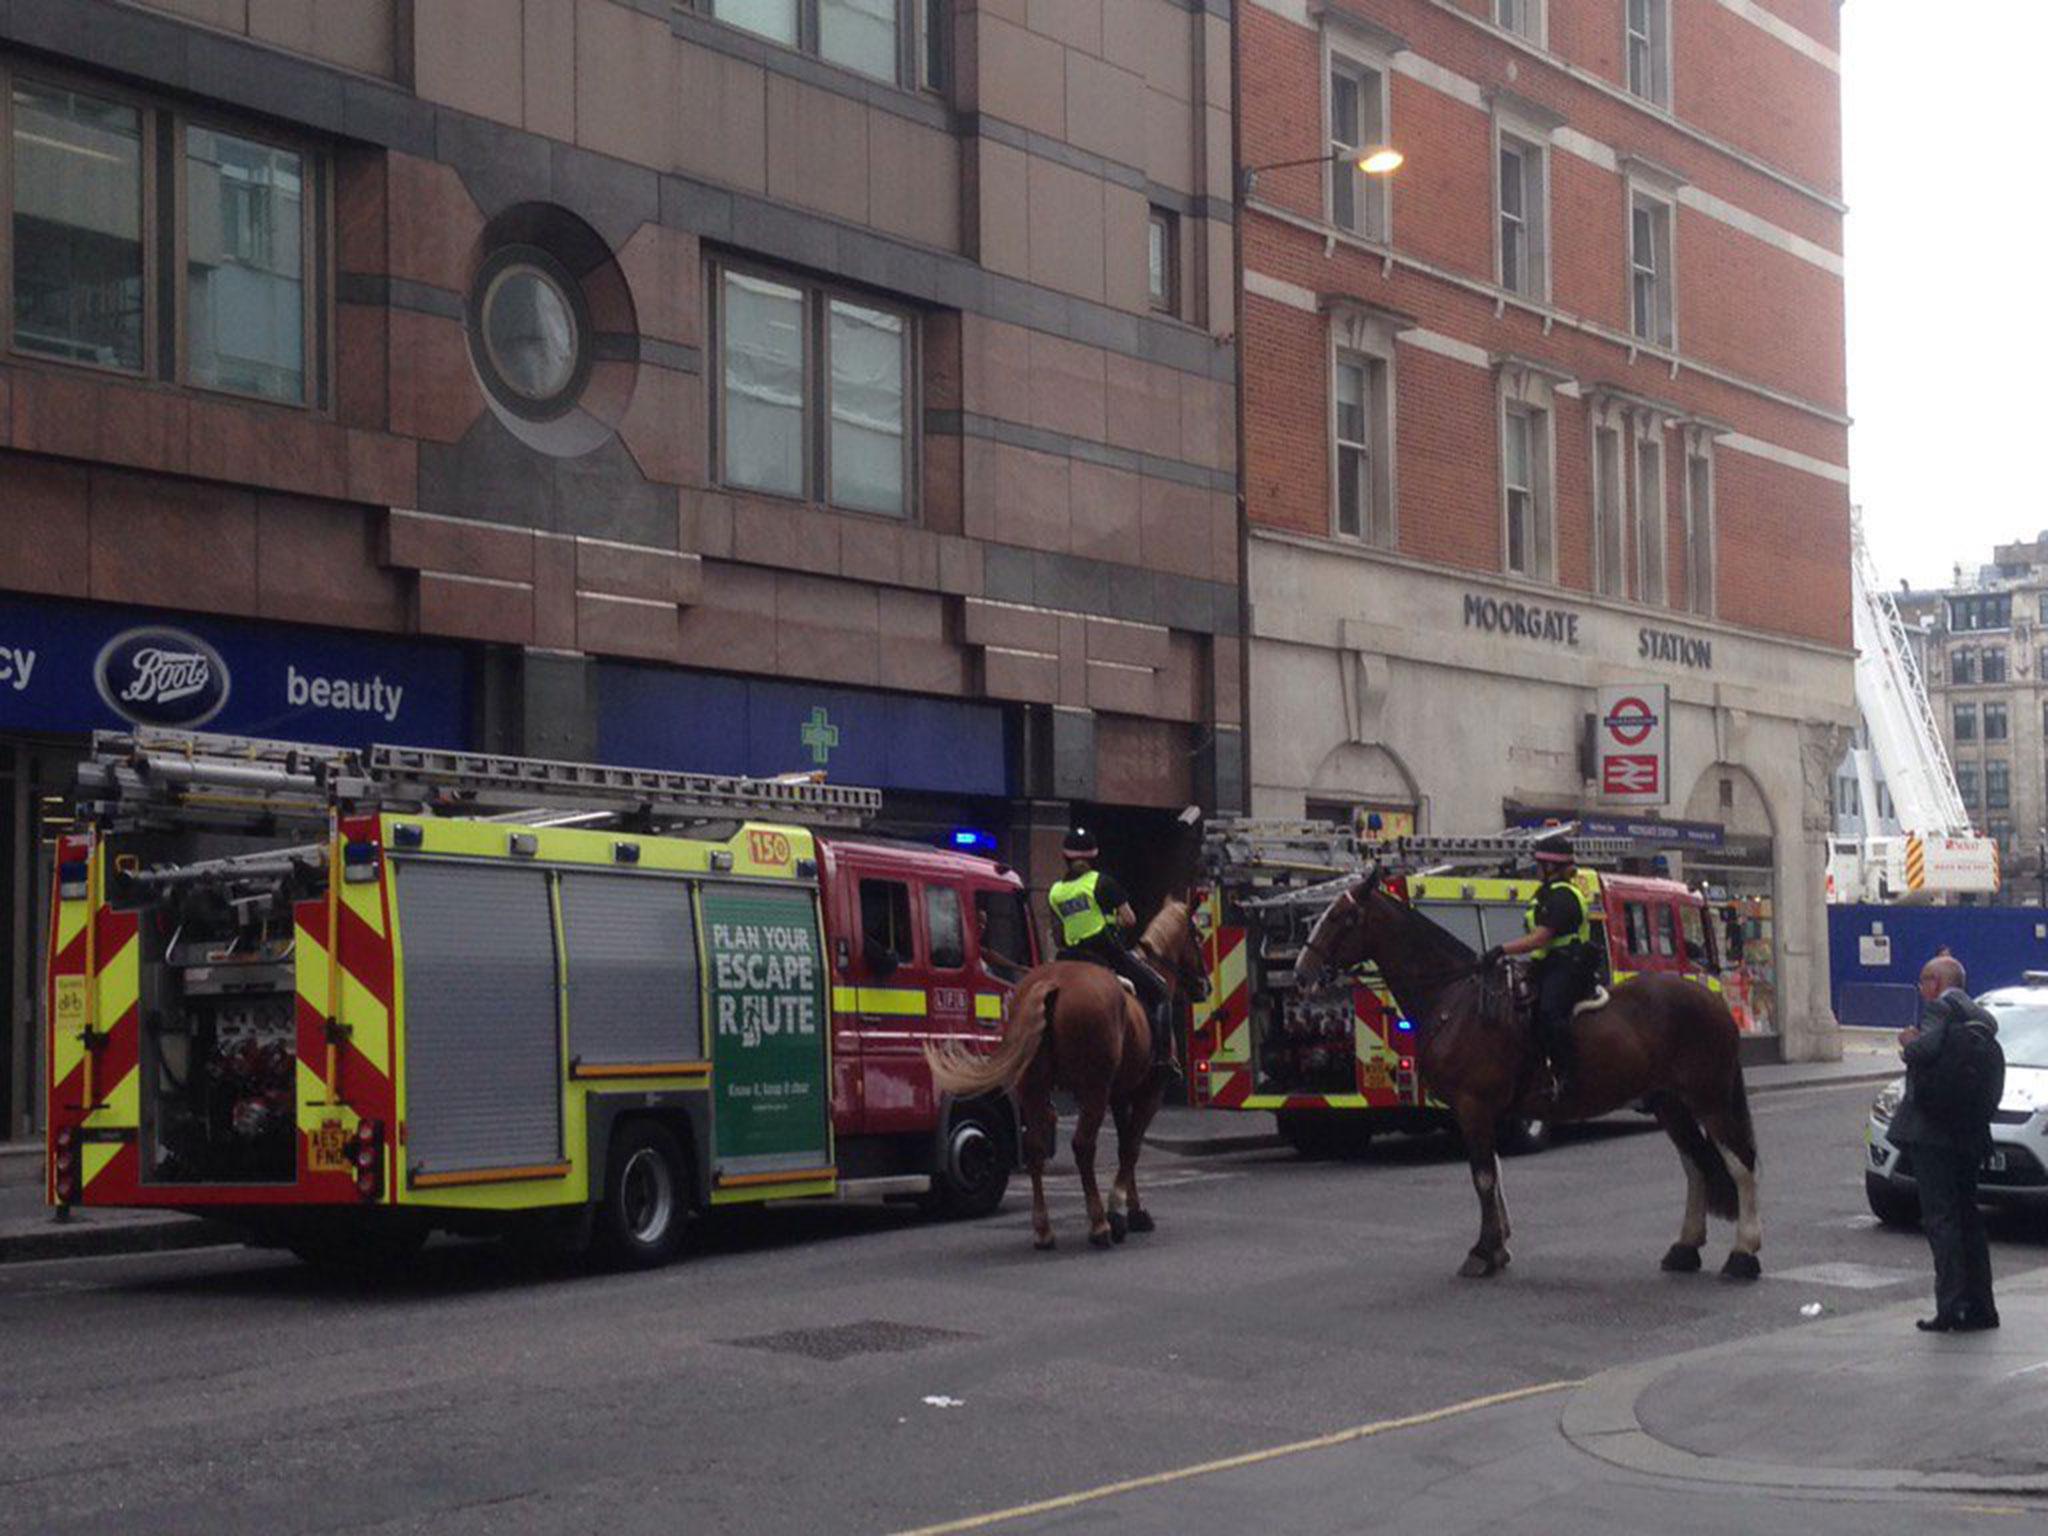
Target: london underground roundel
(1630, 721)
(161, 676)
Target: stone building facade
(1558, 404)
(742, 385)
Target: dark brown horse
(1663, 1039)
(1071, 1024)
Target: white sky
(1939, 104)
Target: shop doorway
(1740, 882)
(1151, 852)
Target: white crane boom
(1893, 699)
(1940, 853)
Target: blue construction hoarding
(74, 667)
(1875, 953)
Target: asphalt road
(861, 1370)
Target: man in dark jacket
(1945, 1158)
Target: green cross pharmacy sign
(820, 735)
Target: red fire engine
(346, 998)
(1336, 1067)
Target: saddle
(1089, 957)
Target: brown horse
(1071, 1024)
(1663, 1039)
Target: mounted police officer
(1090, 916)
(1565, 964)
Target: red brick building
(731, 385)
(1557, 405)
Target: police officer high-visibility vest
(1578, 935)
(1073, 902)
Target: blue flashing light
(973, 840)
(1405, 1026)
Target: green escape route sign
(765, 980)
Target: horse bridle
(1194, 983)
(1349, 899)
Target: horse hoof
(1118, 1227)
(1681, 1260)
(1742, 1266)
(1141, 1221)
(1045, 1242)
(1100, 1239)
(1477, 1266)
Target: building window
(1997, 786)
(1980, 611)
(1649, 50)
(245, 266)
(1650, 305)
(814, 394)
(2044, 717)
(1524, 254)
(1699, 532)
(1966, 722)
(146, 243)
(2044, 608)
(1994, 721)
(1357, 121)
(1609, 501)
(900, 41)
(1962, 664)
(1994, 663)
(1528, 483)
(1360, 387)
(1162, 261)
(1650, 515)
(78, 220)
(1966, 783)
(1524, 18)
(1999, 829)
(531, 329)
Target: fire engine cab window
(885, 921)
(1698, 940)
(942, 922)
(1005, 929)
(1667, 940)
(1637, 919)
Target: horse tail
(1740, 1126)
(964, 1073)
(1698, 1150)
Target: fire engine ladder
(165, 779)
(1291, 862)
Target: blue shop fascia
(70, 668)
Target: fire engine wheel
(1519, 1137)
(1323, 1133)
(975, 1172)
(1892, 1207)
(646, 1200)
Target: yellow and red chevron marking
(1916, 863)
(95, 1029)
(1223, 1028)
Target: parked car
(2015, 1172)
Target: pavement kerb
(1600, 1419)
(1212, 1146)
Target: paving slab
(1851, 1404)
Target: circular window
(534, 337)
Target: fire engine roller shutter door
(483, 1071)
(632, 946)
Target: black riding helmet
(1080, 844)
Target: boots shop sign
(71, 668)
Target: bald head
(1940, 974)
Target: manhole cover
(849, 1339)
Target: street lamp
(1373, 160)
